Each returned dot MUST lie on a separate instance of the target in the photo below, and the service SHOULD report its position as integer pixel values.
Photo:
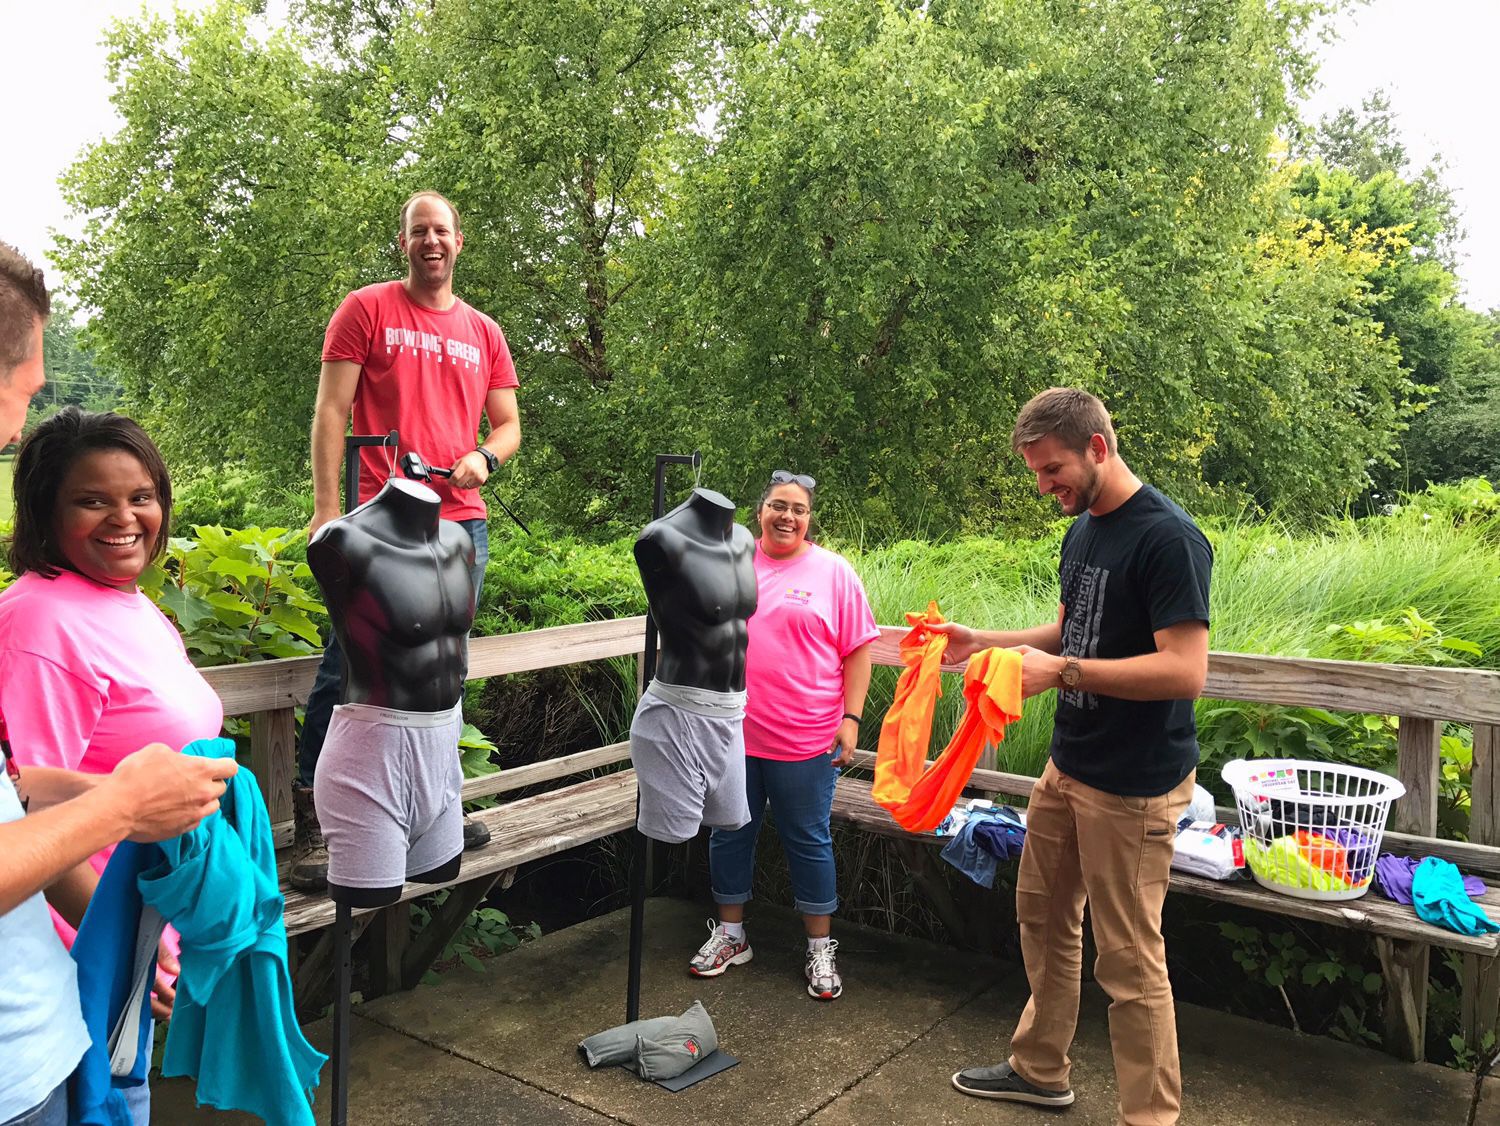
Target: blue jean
(800, 795)
(53, 1110)
(328, 685)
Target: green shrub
(544, 580)
(238, 596)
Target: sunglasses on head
(787, 477)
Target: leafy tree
(913, 218)
(1320, 389)
(555, 125)
(848, 237)
(241, 198)
(1454, 438)
(73, 378)
(1362, 180)
(1367, 142)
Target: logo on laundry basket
(801, 597)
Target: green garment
(1282, 862)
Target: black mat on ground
(710, 1065)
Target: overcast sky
(1435, 57)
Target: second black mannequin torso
(698, 569)
(395, 578)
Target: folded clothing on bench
(986, 838)
(1393, 878)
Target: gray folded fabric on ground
(659, 1048)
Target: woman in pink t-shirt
(806, 674)
(90, 670)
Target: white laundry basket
(1312, 829)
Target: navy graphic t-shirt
(1141, 568)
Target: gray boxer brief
(688, 747)
(387, 793)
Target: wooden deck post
(273, 757)
(386, 948)
(1479, 1009)
(1404, 964)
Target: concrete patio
(499, 1047)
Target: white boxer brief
(688, 747)
(387, 791)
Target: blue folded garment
(1437, 892)
(970, 857)
(986, 838)
(1003, 836)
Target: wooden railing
(1423, 699)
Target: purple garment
(1393, 876)
(1359, 852)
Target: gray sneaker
(823, 981)
(476, 835)
(1002, 1082)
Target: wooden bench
(852, 804)
(579, 812)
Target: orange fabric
(918, 794)
(1324, 853)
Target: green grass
(1273, 593)
(7, 497)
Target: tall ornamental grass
(1305, 595)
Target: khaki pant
(1116, 853)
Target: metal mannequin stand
(343, 969)
(640, 865)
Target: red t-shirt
(424, 373)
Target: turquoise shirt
(42, 1036)
(233, 1024)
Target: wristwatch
(489, 458)
(1071, 674)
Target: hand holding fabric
(1039, 670)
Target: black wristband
(857, 720)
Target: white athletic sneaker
(719, 953)
(823, 981)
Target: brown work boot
(309, 869)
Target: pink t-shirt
(90, 674)
(423, 372)
(811, 613)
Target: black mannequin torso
(396, 581)
(698, 568)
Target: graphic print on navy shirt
(1083, 590)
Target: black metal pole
(343, 924)
(640, 861)
(343, 972)
(352, 444)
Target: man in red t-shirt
(407, 356)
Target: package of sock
(1205, 848)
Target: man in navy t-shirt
(1127, 655)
